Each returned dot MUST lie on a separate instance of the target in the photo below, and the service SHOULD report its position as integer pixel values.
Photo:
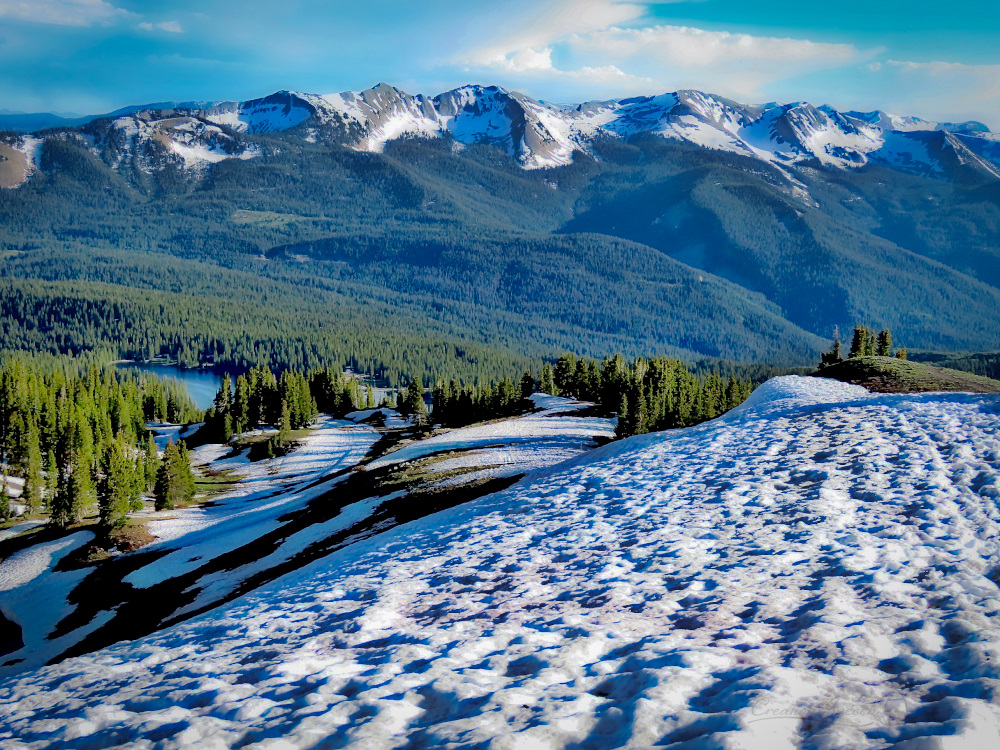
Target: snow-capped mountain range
(538, 134)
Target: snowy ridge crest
(539, 134)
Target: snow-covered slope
(524, 128)
(817, 569)
(282, 513)
(537, 134)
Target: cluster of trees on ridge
(864, 343)
(647, 395)
(78, 438)
(261, 398)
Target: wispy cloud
(939, 89)
(605, 42)
(172, 27)
(732, 63)
(62, 12)
(550, 22)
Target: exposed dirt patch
(105, 546)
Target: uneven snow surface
(816, 569)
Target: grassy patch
(214, 483)
(420, 474)
(266, 218)
(888, 375)
(258, 444)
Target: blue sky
(940, 61)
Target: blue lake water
(201, 385)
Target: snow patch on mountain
(271, 114)
(538, 134)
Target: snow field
(34, 596)
(526, 443)
(266, 491)
(267, 495)
(817, 569)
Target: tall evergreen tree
(34, 481)
(527, 385)
(884, 348)
(859, 344)
(412, 403)
(564, 375)
(118, 489)
(150, 464)
(241, 405)
(284, 426)
(223, 406)
(51, 478)
(548, 384)
(174, 479)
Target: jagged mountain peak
(536, 133)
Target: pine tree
(60, 506)
(548, 384)
(834, 356)
(564, 375)
(83, 493)
(284, 426)
(174, 480)
(859, 344)
(51, 478)
(623, 428)
(871, 344)
(223, 406)
(527, 386)
(33, 479)
(412, 402)
(118, 489)
(184, 473)
(173, 409)
(151, 462)
(581, 378)
(241, 405)
(74, 492)
(4, 503)
(884, 343)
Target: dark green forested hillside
(455, 260)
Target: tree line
(647, 395)
(78, 437)
(261, 398)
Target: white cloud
(684, 46)
(734, 64)
(528, 62)
(535, 28)
(943, 90)
(61, 12)
(603, 42)
(170, 26)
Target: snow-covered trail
(817, 569)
